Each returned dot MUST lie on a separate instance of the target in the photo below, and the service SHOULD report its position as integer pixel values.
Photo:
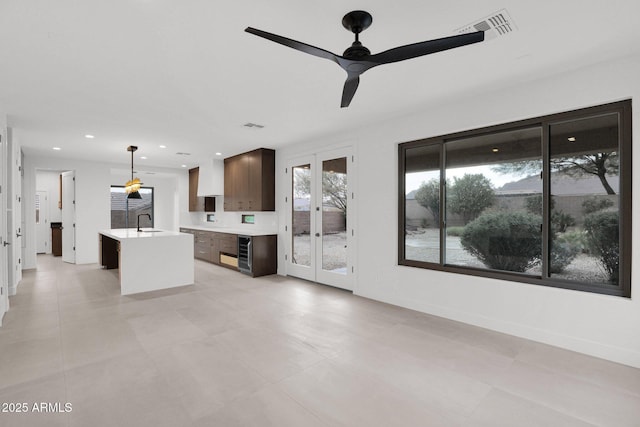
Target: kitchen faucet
(142, 214)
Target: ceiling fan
(357, 59)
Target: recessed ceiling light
(184, 166)
(57, 148)
(571, 139)
(218, 154)
(163, 146)
(495, 149)
(89, 136)
(144, 157)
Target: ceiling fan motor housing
(356, 50)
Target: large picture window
(544, 201)
(124, 211)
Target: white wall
(600, 325)
(93, 182)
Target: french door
(319, 225)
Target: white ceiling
(184, 73)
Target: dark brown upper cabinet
(198, 204)
(249, 181)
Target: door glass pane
(422, 204)
(493, 201)
(301, 222)
(585, 183)
(334, 215)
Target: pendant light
(132, 187)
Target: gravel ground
(423, 245)
(334, 254)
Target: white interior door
(18, 217)
(320, 222)
(43, 232)
(68, 217)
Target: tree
(470, 195)
(334, 190)
(598, 164)
(301, 182)
(428, 196)
(334, 187)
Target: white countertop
(132, 233)
(151, 261)
(245, 231)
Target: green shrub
(562, 253)
(595, 204)
(560, 221)
(455, 231)
(505, 240)
(577, 239)
(603, 239)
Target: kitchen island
(148, 260)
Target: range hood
(211, 178)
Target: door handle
(317, 234)
(6, 243)
(18, 235)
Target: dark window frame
(625, 142)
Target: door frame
(293, 269)
(4, 230)
(69, 217)
(314, 272)
(41, 229)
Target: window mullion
(443, 195)
(546, 199)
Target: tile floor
(276, 351)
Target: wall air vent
(497, 24)
(252, 125)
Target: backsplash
(263, 220)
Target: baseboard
(596, 349)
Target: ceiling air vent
(180, 153)
(253, 125)
(495, 25)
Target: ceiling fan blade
(350, 86)
(425, 48)
(303, 47)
